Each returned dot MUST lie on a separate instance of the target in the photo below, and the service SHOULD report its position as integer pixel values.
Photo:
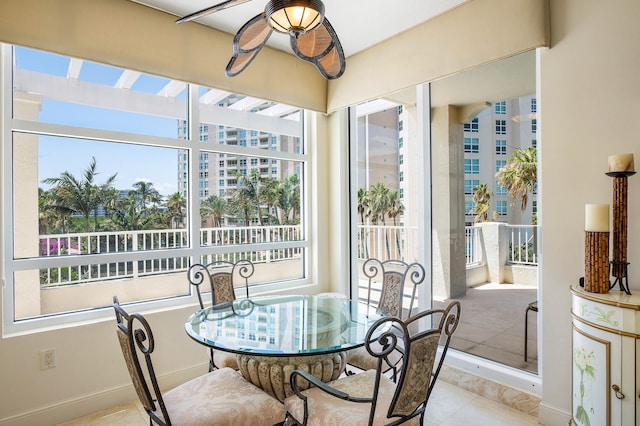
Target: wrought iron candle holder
(619, 264)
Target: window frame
(192, 145)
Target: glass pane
(387, 190)
(77, 196)
(248, 200)
(270, 265)
(242, 121)
(494, 274)
(50, 88)
(64, 288)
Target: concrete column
(496, 249)
(25, 189)
(449, 261)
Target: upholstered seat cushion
(222, 397)
(223, 359)
(327, 410)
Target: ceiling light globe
(295, 17)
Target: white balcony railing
(136, 241)
(382, 242)
(523, 244)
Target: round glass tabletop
(283, 325)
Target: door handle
(616, 389)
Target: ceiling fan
(313, 39)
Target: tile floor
(492, 324)
(449, 406)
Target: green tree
(363, 204)
(288, 199)
(52, 213)
(268, 195)
(82, 195)
(145, 195)
(519, 175)
(176, 208)
(396, 208)
(244, 199)
(213, 207)
(378, 203)
(482, 199)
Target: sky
(131, 163)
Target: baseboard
(526, 402)
(551, 416)
(70, 409)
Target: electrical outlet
(47, 358)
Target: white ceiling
(359, 23)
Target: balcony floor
(492, 324)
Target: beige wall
(589, 98)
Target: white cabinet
(606, 358)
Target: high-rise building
(218, 172)
(489, 140)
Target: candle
(596, 217)
(621, 163)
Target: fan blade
(247, 43)
(215, 8)
(322, 48)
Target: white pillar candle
(596, 217)
(621, 163)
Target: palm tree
(294, 186)
(52, 213)
(378, 202)
(244, 199)
(268, 195)
(379, 206)
(520, 175)
(213, 207)
(288, 198)
(81, 195)
(396, 208)
(363, 204)
(363, 212)
(176, 206)
(146, 194)
(482, 199)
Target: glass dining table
(274, 335)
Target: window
(471, 145)
(501, 189)
(469, 184)
(534, 105)
(500, 164)
(471, 166)
(471, 126)
(534, 125)
(122, 236)
(468, 206)
(501, 147)
(501, 207)
(500, 107)
(501, 127)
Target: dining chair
(221, 397)
(372, 397)
(392, 287)
(220, 277)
